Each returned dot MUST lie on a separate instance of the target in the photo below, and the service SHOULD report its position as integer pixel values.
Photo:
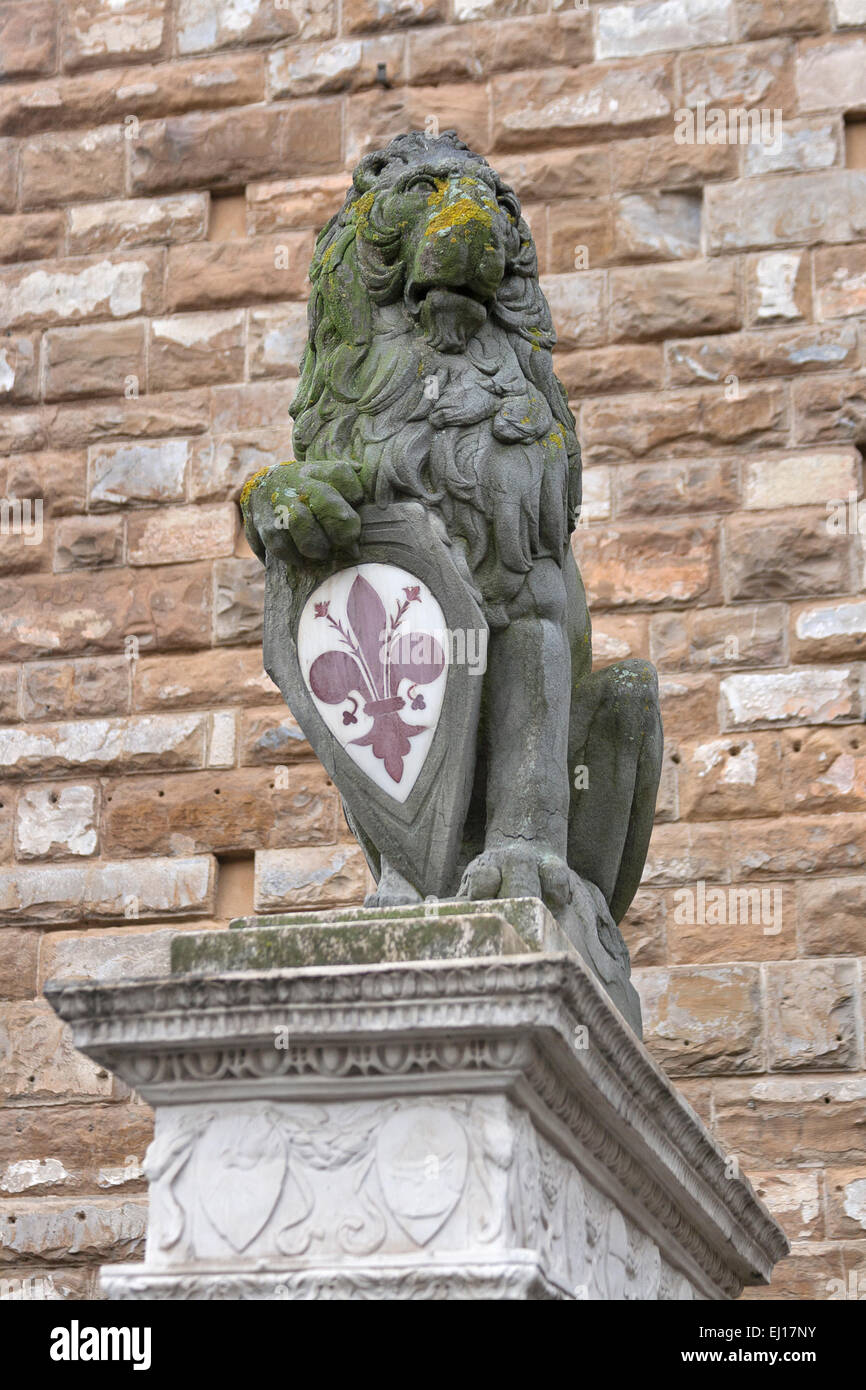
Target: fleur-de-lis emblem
(373, 661)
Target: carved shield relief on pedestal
(380, 661)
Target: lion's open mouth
(449, 318)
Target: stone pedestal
(399, 1105)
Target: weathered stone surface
(831, 409)
(770, 352)
(123, 474)
(96, 227)
(657, 226)
(799, 480)
(719, 638)
(102, 359)
(271, 737)
(51, 1149)
(695, 298)
(55, 821)
(34, 236)
(277, 337)
(646, 565)
(87, 542)
(294, 878)
(723, 778)
(28, 38)
(497, 45)
(754, 75)
(626, 31)
(209, 24)
(586, 373)
(375, 117)
(39, 1062)
(147, 89)
(758, 19)
(59, 167)
(19, 960)
(216, 274)
(345, 65)
(239, 595)
(239, 809)
(840, 281)
(167, 740)
(19, 369)
(196, 349)
(743, 922)
(368, 16)
(778, 287)
(796, 1200)
(220, 465)
(813, 1016)
(825, 769)
(702, 1021)
(77, 290)
(225, 149)
(799, 147)
(833, 72)
(578, 306)
(682, 853)
(807, 695)
(103, 611)
(214, 677)
(680, 423)
(661, 489)
(829, 631)
(788, 556)
(64, 689)
(846, 1202)
(96, 1228)
(796, 846)
(560, 104)
(126, 890)
(127, 29)
(302, 202)
(690, 704)
(827, 206)
(182, 534)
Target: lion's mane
(507, 479)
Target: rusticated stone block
(182, 534)
(825, 769)
(630, 31)
(64, 166)
(293, 878)
(223, 812)
(121, 891)
(789, 555)
(98, 1228)
(129, 29)
(204, 25)
(162, 740)
(40, 1062)
(28, 30)
(76, 290)
(101, 359)
(703, 1021)
(695, 298)
(813, 1016)
(97, 227)
(806, 695)
(833, 916)
(69, 689)
(56, 821)
(211, 677)
(633, 563)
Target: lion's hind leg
(616, 748)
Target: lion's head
(429, 362)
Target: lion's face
(453, 229)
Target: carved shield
(381, 661)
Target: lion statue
(428, 376)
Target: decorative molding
(507, 1025)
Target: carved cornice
(477, 1021)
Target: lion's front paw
(518, 870)
(303, 511)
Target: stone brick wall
(164, 166)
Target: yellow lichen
(251, 483)
(457, 214)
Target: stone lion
(428, 375)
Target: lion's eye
(422, 183)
